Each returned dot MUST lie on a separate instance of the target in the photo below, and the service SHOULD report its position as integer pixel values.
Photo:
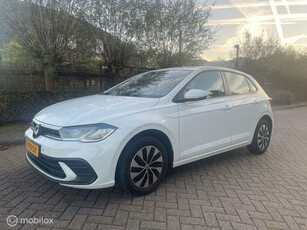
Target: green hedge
(22, 106)
(282, 98)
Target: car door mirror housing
(195, 94)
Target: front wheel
(262, 137)
(143, 166)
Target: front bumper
(63, 170)
(76, 164)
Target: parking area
(234, 190)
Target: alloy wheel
(146, 167)
(263, 137)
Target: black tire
(262, 137)
(133, 170)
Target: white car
(133, 132)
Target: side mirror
(195, 94)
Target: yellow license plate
(32, 148)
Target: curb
(12, 142)
(282, 107)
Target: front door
(205, 124)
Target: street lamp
(237, 57)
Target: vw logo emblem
(36, 131)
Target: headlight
(87, 133)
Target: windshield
(149, 84)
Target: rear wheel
(262, 137)
(143, 166)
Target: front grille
(47, 131)
(85, 173)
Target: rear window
(237, 83)
(252, 87)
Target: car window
(252, 87)
(211, 82)
(237, 83)
(150, 84)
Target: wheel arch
(160, 135)
(268, 118)
(253, 147)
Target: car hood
(92, 109)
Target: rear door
(205, 125)
(244, 107)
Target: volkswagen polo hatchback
(133, 132)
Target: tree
(1, 28)
(117, 32)
(13, 52)
(256, 51)
(160, 33)
(176, 31)
(48, 30)
(276, 67)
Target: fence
(99, 80)
(36, 83)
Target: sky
(285, 19)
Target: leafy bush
(22, 106)
(283, 98)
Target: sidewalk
(14, 134)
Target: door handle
(227, 107)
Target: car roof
(203, 68)
(194, 68)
